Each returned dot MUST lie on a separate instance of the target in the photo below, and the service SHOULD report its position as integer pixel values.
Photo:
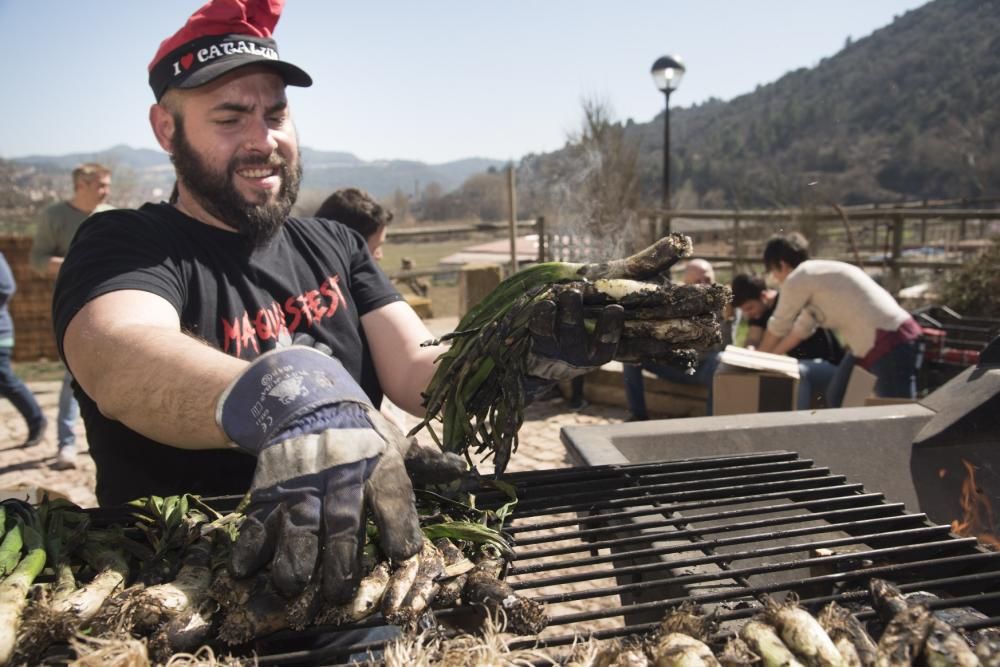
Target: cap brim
(292, 75)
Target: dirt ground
(27, 468)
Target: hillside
(911, 111)
(143, 174)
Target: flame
(978, 519)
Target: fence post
(540, 231)
(896, 273)
(512, 200)
(737, 245)
(475, 281)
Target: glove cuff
(278, 388)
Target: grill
(609, 549)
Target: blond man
(54, 230)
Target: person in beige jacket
(880, 335)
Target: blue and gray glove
(562, 346)
(324, 456)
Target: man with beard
(220, 345)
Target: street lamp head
(667, 73)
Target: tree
(485, 196)
(972, 289)
(399, 204)
(605, 180)
(433, 205)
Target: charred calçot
(478, 391)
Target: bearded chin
(256, 222)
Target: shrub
(973, 289)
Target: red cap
(219, 37)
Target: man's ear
(162, 122)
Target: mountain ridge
(910, 111)
(147, 169)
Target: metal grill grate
(721, 532)
(610, 549)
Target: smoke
(589, 193)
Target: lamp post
(667, 73)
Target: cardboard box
(748, 381)
(879, 400)
(860, 386)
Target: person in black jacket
(818, 355)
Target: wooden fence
(897, 240)
(871, 237)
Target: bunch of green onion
(477, 392)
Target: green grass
(424, 255)
(443, 293)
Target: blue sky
(434, 81)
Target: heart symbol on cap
(186, 60)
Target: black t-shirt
(316, 277)
(821, 345)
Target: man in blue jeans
(880, 335)
(54, 230)
(696, 272)
(11, 386)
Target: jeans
(635, 389)
(16, 392)
(895, 373)
(814, 375)
(69, 411)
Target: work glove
(562, 347)
(325, 457)
(425, 465)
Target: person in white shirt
(880, 335)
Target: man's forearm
(178, 409)
(788, 343)
(775, 345)
(769, 343)
(146, 374)
(404, 368)
(420, 374)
